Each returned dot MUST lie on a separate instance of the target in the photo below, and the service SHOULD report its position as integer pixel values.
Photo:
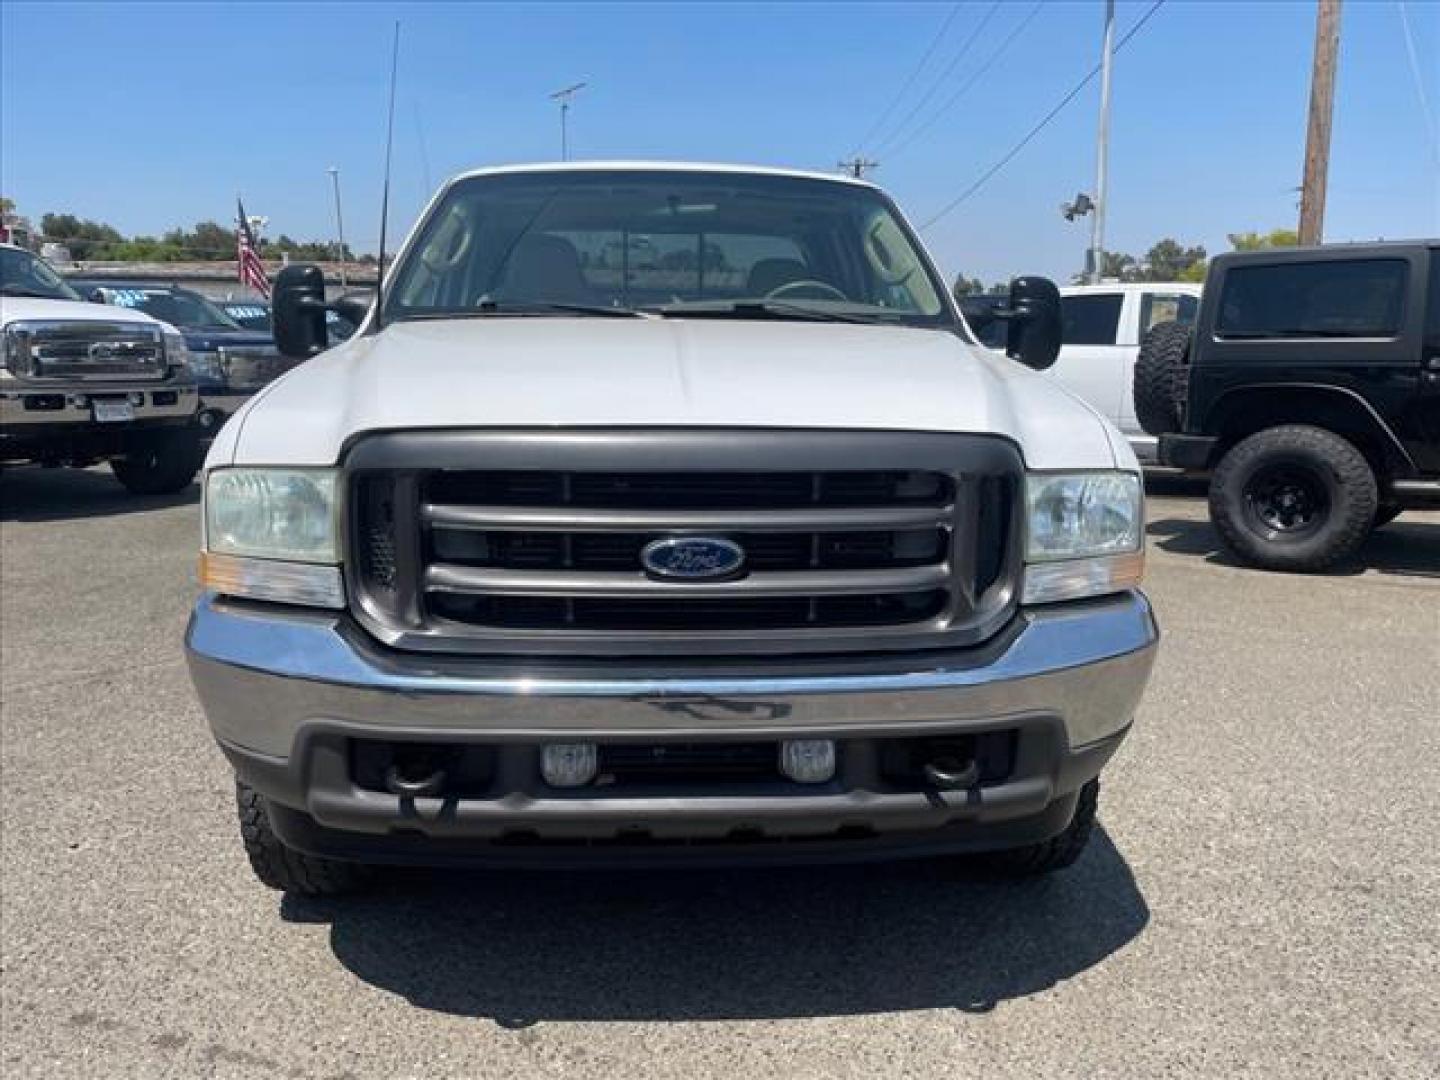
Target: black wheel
(1162, 377)
(284, 868)
(1386, 513)
(161, 464)
(1294, 498)
(1059, 851)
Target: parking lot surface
(1261, 900)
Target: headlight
(176, 353)
(1083, 535)
(270, 534)
(207, 365)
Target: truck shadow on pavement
(1406, 548)
(520, 949)
(30, 493)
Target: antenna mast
(563, 97)
(385, 191)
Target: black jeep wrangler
(1309, 388)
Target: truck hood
(600, 372)
(13, 308)
(208, 339)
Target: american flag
(249, 266)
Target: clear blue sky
(150, 116)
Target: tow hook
(947, 774)
(414, 780)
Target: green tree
(1167, 260)
(1253, 241)
(966, 286)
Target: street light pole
(563, 97)
(1096, 258)
(339, 222)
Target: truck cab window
(1092, 319)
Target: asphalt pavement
(1263, 898)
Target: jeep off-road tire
(1162, 377)
(1293, 498)
(1056, 853)
(284, 868)
(160, 465)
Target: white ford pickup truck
(82, 383)
(666, 514)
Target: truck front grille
(71, 350)
(917, 551)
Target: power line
(978, 74)
(1411, 52)
(940, 79)
(914, 74)
(1044, 123)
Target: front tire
(1059, 851)
(160, 465)
(1293, 498)
(284, 868)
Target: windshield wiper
(763, 309)
(20, 290)
(528, 307)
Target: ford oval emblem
(688, 558)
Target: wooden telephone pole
(1322, 110)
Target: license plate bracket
(113, 410)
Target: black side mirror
(97, 296)
(353, 306)
(1033, 335)
(297, 314)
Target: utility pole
(1095, 260)
(563, 97)
(1322, 111)
(339, 222)
(857, 166)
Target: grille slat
(565, 519)
(444, 577)
(536, 558)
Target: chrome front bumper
(16, 417)
(262, 673)
(288, 692)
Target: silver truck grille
(915, 550)
(54, 350)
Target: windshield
(175, 306)
(23, 274)
(250, 315)
(671, 243)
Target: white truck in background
(1102, 326)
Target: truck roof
(660, 166)
(1131, 286)
(1340, 250)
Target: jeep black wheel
(1162, 377)
(161, 464)
(1294, 498)
(1059, 851)
(284, 868)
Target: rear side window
(1092, 319)
(1353, 298)
(1167, 307)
